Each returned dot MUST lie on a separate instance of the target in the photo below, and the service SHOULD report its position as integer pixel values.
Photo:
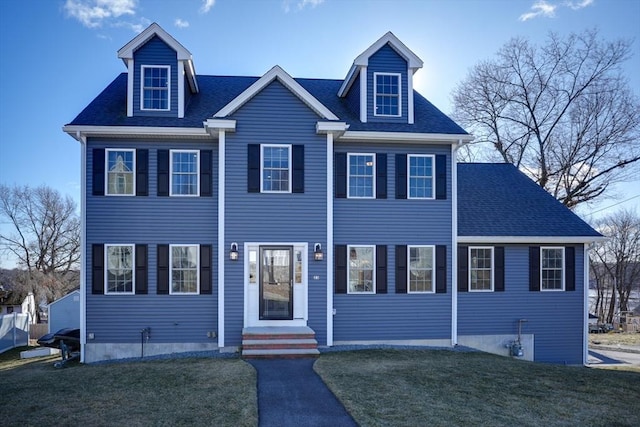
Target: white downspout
(83, 244)
(329, 249)
(585, 322)
(221, 234)
(454, 243)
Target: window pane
(275, 168)
(552, 273)
(420, 269)
(420, 176)
(119, 269)
(387, 94)
(480, 269)
(184, 175)
(184, 269)
(361, 269)
(155, 92)
(120, 171)
(361, 175)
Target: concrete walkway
(290, 393)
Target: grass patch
(421, 387)
(163, 392)
(615, 338)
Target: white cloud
(136, 27)
(207, 5)
(300, 4)
(91, 13)
(579, 4)
(540, 8)
(180, 23)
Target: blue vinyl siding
(393, 222)
(275, 116)
(156, 52)
(353, 97)
(554, 318)
(386, 60)
(151, 220)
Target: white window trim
(375, 94)
(197, 292)
(493, 268)
(564, 267)
(433, 269)
(433, 175)
(373, 274)
(262, 147)
(144, 67)
(373, 191)
(106, 268)
(106, 172)
(171, 153)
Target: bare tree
(617, 262)
(562, 112)
(42, 233)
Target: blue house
(276, 214)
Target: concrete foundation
(499, 344)
(96, 352)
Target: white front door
(275, 284)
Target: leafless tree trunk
(43, 235)
(562, 113)
(618, 258)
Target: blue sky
(57, 55)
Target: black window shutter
(206, 169)
(570, 268)
(441, 269)
(381, 176)
(401, 176)
(381, 268)
(401, 269)
(463, 268)
(142, 172)
(341, 269)
(441, 176)
(141, 269)
(297, 186)
(98, 172)
(163, 269)
(205, 269)
(253, 168)
(498, 274)
(340, 165)
(97, 269)
(534, 268)
(163, 172)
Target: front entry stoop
(279, 342)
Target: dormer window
(155, 88)
(387, 94)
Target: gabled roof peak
(126, 51)
(412, 59)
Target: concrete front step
(274, 342)
(279, 353)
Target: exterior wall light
(233, 253)
(317, 252)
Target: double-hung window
(119, 277)
(275, 175)
(155, 88)
(361, 177)
(120, 172)
(480, 269)
(421, 269)
(387, 94)
(420, 176)
(184, 261)
(185, 172)
(552, 268)
(361, 268)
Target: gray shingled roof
(499, 200)
(109, 108)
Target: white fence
(14, 331)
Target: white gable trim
(126, 51)
(348, 81)
(276, 73)
(412, 59)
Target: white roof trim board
(530, 239)
(276, 73)
(362, 60)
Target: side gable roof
(362, 60)
(497, 200)
(288, 81)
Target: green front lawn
(444, 388)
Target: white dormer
(158, 67)
(384, 73)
